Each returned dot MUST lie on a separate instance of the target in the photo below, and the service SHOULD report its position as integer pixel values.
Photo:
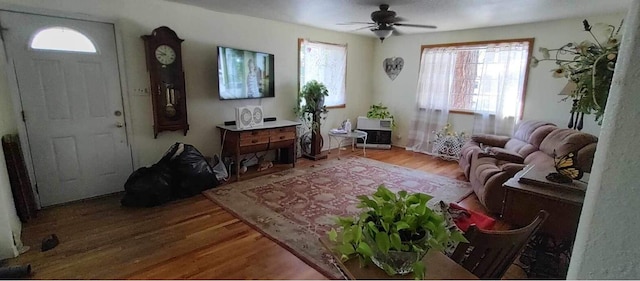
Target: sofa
(488, 161)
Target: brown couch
(490, 160)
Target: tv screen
(244, 74)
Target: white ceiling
(446, 14)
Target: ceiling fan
(385, 22)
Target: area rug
(296, 206)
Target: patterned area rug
(296, 206)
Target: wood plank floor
(187, 239)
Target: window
(326, 63)
(62, 39)
(482, 77)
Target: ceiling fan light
(382, 33)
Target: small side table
(353, 136)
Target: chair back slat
(489, 253)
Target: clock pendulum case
(168, 95)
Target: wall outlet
(140, 91)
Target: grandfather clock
(168, 95)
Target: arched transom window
(62, 39)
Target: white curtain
(500, 88)
(435, 82)
(326, 63)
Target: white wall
(9, 222)
(607, 243)
(542, 101)
(202, 31)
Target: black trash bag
(15, 271)
(191, 170)
(149, 186)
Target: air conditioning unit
(378, 132)
(249, 117)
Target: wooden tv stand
(279, 135)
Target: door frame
(16, 98)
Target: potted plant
(590, 65)
(310, 109)
(394, 231)
(379, 111)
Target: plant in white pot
(394, 231)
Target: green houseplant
(310, 109)
(394, 231)
(590, 66)
(379, 111)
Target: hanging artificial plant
(589, 65)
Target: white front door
(72, 104)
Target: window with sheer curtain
(484, 77)
(326, 63)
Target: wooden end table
(550, 249)
(523, 201)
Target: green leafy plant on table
(392, 227)
(379, 111)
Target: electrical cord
(224, 137)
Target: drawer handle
(254, 141)
(281, 137)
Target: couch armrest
(491, 140)
(506, 155)
(512, 168)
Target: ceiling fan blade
(396, 32)
(366, 27)
(416, 25)
(399, 19)
(355, 22)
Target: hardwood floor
(191, 238)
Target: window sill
(337, 106)
(460, 111)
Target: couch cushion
(541, 160)
(525, 129)
(506, 155)
(486, 168)
(466, 155)
(538, 135)
(563, 141)
(520, 147)
(490, 140)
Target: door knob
(119, 124)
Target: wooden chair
(489, 253)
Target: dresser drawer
(254, 134)
(283, 130)
(253, 140)
(282, 136)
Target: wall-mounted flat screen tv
(244, 74)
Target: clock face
(165, 54)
